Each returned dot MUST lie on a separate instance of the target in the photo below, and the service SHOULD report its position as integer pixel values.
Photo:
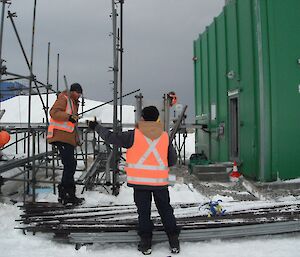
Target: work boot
(61, 193)
(174, 243)
(144, 245)
(71, 196)
(66, 195)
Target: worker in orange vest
(62, 133)
(148, 158)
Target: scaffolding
(30, 136)
(42, 166)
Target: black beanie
(76, 87)
(150, 113)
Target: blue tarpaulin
(10, 89)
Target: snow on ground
(15, 244)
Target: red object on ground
(234, 175)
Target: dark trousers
(66, 152)
(143, 199)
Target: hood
(150, 129)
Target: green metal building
(247, 88)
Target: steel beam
(190, 234)
(20, 162)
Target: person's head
(76, 90)
(150, 113)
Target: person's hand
(92, 124)
(73, 118)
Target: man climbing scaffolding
(148, 158)
(62, 133)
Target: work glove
(73, 118)
(92, 124)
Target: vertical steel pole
(33, 175)
(53, 168)
(16, 142)
(94, 145)
(115, 66)
(47, 103)
(1, 39)
(38, 140)
(24, 143)
(24, 185)
(1, 32)
(86, 149)
(47, 83)
(115, 97)
(184, 153)
(82, 103)
(138, 107)
(121, 60)
(119, 96)
(166, 107)
(57, 75)
(31, 78)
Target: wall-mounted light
(231, 74)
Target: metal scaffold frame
(104, 169)
(32, 133)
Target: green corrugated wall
(251, 51)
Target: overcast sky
(158, 44)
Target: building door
(234, 127)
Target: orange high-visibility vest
(147, 160)
(67, 126)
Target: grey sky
(158, 44)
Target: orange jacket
(147, 160)
(66, 126)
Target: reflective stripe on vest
(62, 125)
(147, 160)
(147, 180)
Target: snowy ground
(13, 243)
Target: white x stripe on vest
(62, 125)
(151, 149)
